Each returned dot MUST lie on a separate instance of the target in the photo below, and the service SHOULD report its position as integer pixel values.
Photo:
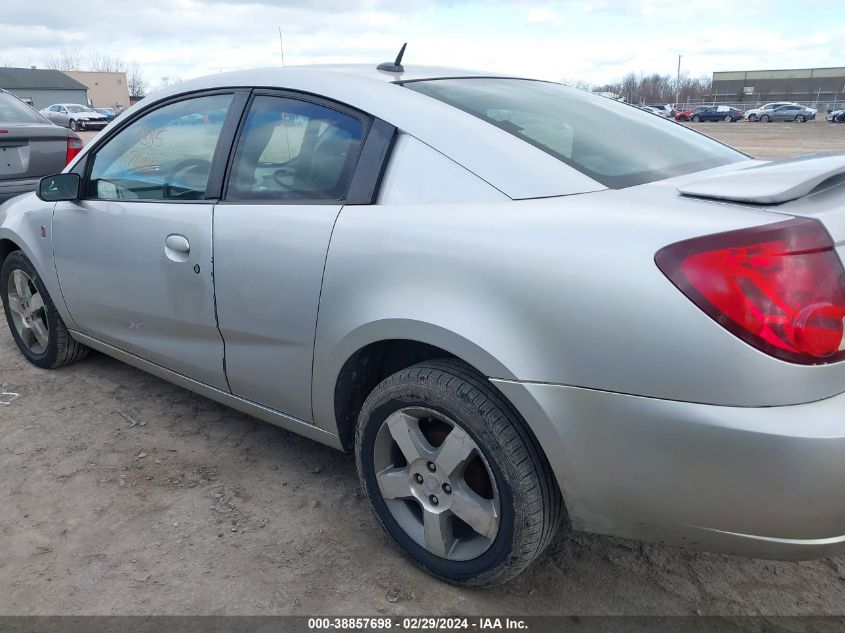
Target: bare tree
(578, 83)
(135, 81)
(655, 88)
(6, 63)
(66, 59)
(100, 62)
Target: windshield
(13, 110)
(77, 108)
(611, 142)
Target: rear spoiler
(770, 183)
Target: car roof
(516, 168)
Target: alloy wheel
(29, 314)
(436, 483)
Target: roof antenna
(396, 66)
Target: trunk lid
(31, 150)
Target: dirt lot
(776, 140)
(197, 509)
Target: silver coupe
(518, 304)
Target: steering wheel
(184, 167)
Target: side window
(164, 155)
(294, 150)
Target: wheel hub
(428, 486)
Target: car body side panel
(694, 474)
(420, 174)
(21, 220)
(561, 290)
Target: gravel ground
(777, 140)
(126, 495)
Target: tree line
(653, 88)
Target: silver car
(518, 304)
(74, 116)
(788, 112)
(30, 147)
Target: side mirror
(59, 188)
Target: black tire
(61, 348)
(752, 117)
(531, 507)
(728, 119)
(696, 118)
(73, 125)
(765, 118)
(800, 118)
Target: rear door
(293, 168)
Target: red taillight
(74, 146)
(778, 287)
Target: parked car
(665, 109)
(836, 116)
(30, 147)
(753, 114)
(109, 113)
(74, 116)
(716, 113)
(684, 115)
(399, 267)
(790, 112)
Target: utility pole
(281, 46)
(678, 82)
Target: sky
(595, 41)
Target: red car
(686, 115)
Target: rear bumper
(763, 482)
(11, 188)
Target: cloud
(596, 40)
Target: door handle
(177, 247)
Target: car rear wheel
(696, 118)
(765, 118)
(38, 329)
(728, 119)
(454, 476)
(800, 118)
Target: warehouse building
(105, 90)
(41, 87)
(809, 85)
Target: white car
(75, 116)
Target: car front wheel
(696, 118)
(74, 125)
(38, 329)
(453, 475)
(752, 117)
(800, 118)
